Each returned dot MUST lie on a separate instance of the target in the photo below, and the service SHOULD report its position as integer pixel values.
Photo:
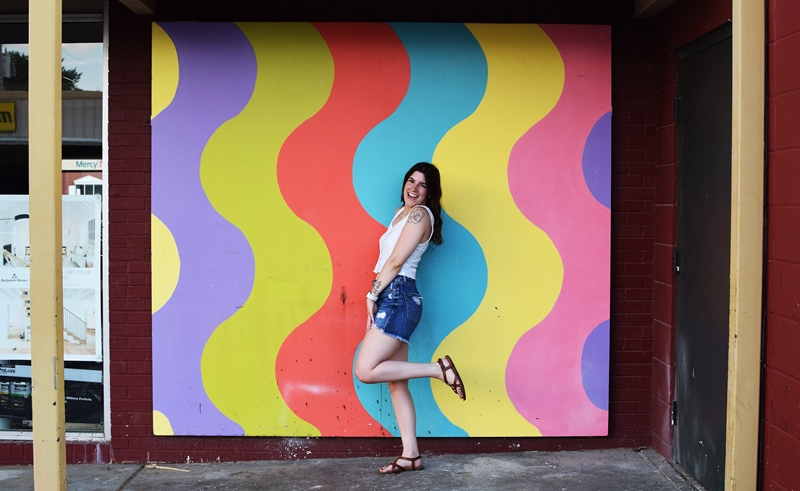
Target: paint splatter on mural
(275, 172)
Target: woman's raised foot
(454, 379)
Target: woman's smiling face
(415, 190)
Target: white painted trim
(106, 198)
(72, 436)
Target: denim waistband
(403, 279)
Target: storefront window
(82, 186)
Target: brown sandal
(396, 468)
(457, 383)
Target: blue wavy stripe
(448, 80)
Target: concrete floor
(617, 470)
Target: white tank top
(389, 240)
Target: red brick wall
(781, 391)
(130, 363)
(632, 182)
(633, 154)
(682, 22)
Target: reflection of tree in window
(17, 79)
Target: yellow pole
(47, 344)
(747, 226)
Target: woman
(394, 308)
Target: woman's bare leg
(383, 358)
(405, 413)
(376, 363)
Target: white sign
(83, 164)
(80, 255)
(71, 374)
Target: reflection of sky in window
(87, 58)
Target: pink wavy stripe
(543, 375)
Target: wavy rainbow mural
(278, 151)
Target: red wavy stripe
(313, 368)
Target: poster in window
(80, 255)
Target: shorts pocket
(413, 307)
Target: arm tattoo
(416, 215)
(376, 287)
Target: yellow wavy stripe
(293, 271)
(161, 424)
(165, 70)
(166, 263)
(525, 79)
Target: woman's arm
(416, 231)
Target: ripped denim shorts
(399, 309)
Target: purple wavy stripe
(217, 76)
(594, 365)
(597, 160)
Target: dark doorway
(703, 256)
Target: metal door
(703, 256)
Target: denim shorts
(399, 309)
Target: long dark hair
(434, 197)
